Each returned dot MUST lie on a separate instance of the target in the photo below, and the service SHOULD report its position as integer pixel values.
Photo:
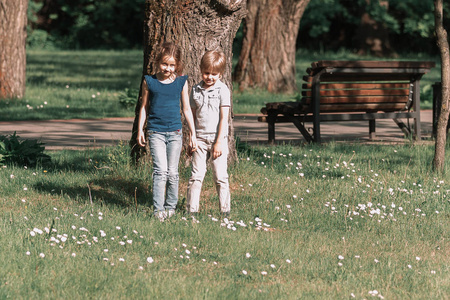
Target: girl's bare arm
(187, 112)
(142, 115)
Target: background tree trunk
(13, 34)
(196, 26)
(441, 132)
(267, 58)
(372, 37)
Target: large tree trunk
(13, 34)
(441, 133)
(267, 58)
(196, 26)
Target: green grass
(75, 84)
(308, 222)
(87, 84)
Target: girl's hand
(141, 138)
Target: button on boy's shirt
(207, 104)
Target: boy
(210, 103)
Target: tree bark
(196, 26)
(267, 58)
(372, 37)
(441, 132)
(13, 34)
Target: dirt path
(79, 134)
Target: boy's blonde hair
(214, 61)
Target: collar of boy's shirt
(214, 87)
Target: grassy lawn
(88, 84)
(311, 222)
(75, 84)
(337, 221)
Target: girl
(161, 96)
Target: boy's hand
(192, 144)
(216, 150)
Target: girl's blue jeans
(165, 148)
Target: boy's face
(210, 78)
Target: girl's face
(167, 66)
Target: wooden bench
(353, 91)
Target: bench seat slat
(373, 64)
(279, 105)
(352, 93)
(359, 107)
(350, 100)
(283, 110)
(367, 86)
(360, 77)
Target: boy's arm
(221, 132)
(187, 112)
(142, 114)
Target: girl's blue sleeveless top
(164, 104)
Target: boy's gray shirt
(207, 104)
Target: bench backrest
(362, 86)
(360, 97)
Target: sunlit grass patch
(330, 221)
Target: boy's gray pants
(219, 169)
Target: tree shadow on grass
(85, 176)
(86, 65)
(114, 191)
(37, 79)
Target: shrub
(13, 150)
(128, 98)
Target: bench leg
(403, 127)
(302, 129)
(417, 128)
(416, 107)
(271, 128)
(372, 129)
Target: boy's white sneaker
(161, 216)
